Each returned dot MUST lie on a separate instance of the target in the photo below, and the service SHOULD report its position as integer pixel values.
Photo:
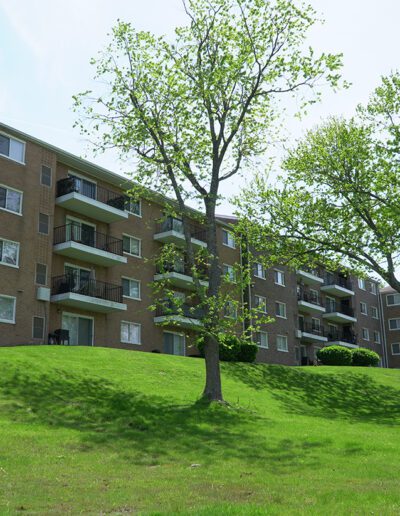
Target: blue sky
(45, 47)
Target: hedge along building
(77, 255)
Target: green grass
(102, 431)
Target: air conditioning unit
(43, 294)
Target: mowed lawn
(103, 431)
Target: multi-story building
(77, 261)
(390, 300)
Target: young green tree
(196, 110)
(340, 199)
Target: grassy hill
(102, 431)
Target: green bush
(232, 349)
(248, 352)
(364, 357)
(335, 355)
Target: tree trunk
(212, 390)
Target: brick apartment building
(77, 255)
(391, 316)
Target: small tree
(196, 110)
(339, 203)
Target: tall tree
(196, 110)
(339, 200)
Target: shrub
(365, 357)
(232, 349)
(247, 352)
(335, 355)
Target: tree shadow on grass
(146, 428)
(344, 395)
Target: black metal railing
(182, 267)
(342, 309)
(174, 224)
(314, 271)
(85, 235)
(336, 279)
(312, 328)
(344, 336)
(183, 310)
(86, 287)
(98, 193)
(310, 297)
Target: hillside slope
(103, 431)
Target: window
(10, 200)
(43, 224)
(377, 337)
(365, 333)
(173, 343)
(41, 274)
(281, 343)
(396, 348)
(7, 309)
(363, 308)
(262, 339)
(279, 277)
(9, 253)
(259, 270)
(374, 312)
(38, 328)
(84, 186)
(132, 245)
(330, 304)
(130, 333)
(134, 207)
(227, 239)
(45, 176)
(230, 310)
(229, 271)
(131, 288)
(280, 309)
(12, 148)
(372, 287)
(260, 302)
(315, 324)
(393, 299)
(361, 284)
(394, 324)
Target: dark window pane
(4, 145)
(38, 327)
(3, 194)
(43, 223)
(41, 273)
(45, 178)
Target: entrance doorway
(173, 343)
(80, 329)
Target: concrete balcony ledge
(337, 290)
(179, 280)
(92, 208)
(179, 321)
(88, 253)
(306, 306)
(177, 238)
(342, 343)
(93, 304)
(339, 317)
(309, 278)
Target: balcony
(309, 277)
(88, 294)
(179, 275)
(338, 286)
(170, 231)
(183, 316)
(310, 333)
(339, 313)
(83, 243)
(342, 338)
(309, 302)
(91, 200)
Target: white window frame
(365, 331)
(79, 316)
(282, 304)
(318, 325)
(48, 224)
(22, 198)
(374, 312)
(234, 306)
(264, 302)
(373, 289)
(139, 215)
(47, 269)
(17, 140)
(140, 333)
(140, 245)
(230, 271)
(41, 175)
(229, 238)
(33, 326)
(287, 344)
(377, 334)
(395, 344)
(259, 333)
(140, 288)
(362, 284)
(184, 341)
(394, 296)
(277, 275)
(9, 321)
(362, 305)
(258, 265)
(16, 266)
(394, 319)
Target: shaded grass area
(98, 431)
